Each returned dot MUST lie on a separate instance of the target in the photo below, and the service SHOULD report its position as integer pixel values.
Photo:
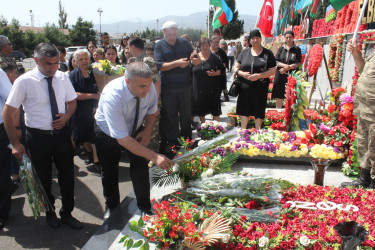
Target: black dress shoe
(2, 222)
(71, 221)
(146, 212)
(107, 213)
(52, 220)
(90, 158)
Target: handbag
(234, 89)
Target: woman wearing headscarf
(253, 67)
(288, 58)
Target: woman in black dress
(288, 58)
(83, 119)
(215, 48)
(207, 81)
(254, 66)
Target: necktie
(136, 118)
(52, 99)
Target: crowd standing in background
(168, 81)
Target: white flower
(263, 241)
(305, 241)
(208, 173)
(225, 238)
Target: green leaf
(145, 246)
(130, 243)
(141, 222)
(203, 198)
(138, 244)
(123, 239)
(133, 228)
(134, 223)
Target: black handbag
(234, 89)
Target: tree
(148, 34)
(194, 34)
(4, 28)
(62, 17)
(54, 35)
(233, 29)
(16, 35)
(82, 32)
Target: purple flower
(324, 128)
(346, 98)
(199, 128)
(294, 148)
(336, 149)
(211, 128)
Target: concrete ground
(23, 231)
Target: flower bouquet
(193, 163)
(36, 195)
(210, 130)
(104, 72)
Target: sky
(45, 11)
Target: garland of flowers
(315, 59)
(296, 99)
(321, 28)
(347, 17)
(336, 53)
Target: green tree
(54, 34)
(195, 34)
(4, 28)
(62, 17)
(148, 34)
(16, 36)
(82, 32)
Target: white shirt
(117, 107)
(231, 50)
(5, 86)
(31, 90)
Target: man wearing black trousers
(5, 154)
(123, 106)
(49, 101)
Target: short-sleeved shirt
(231, 50)
(176, 80)
(256, 64)
(117, 107)
(151, 63)
(31, 91)
(5, 87)
(291, 56)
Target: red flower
(331, 108)
(251, 204)
(284, 245)
(172, 234)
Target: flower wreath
(336, 53)
(315, 59)
(363, 38)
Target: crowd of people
(55, 109)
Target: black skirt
(252, 99)
(279, 84)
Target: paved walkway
(23, 231)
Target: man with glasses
(6, 49)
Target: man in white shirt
(5, 154)
(231, 54)
(49, 101)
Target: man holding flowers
(119, 126)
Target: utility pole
(100, 22)
(31, 18)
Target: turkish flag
(265, 23)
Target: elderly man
(6, 49)
(5, 154)
(124, 104)
(173, 55)
(49, 101)
(364, 108)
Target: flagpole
(358, 24)
(208, 23)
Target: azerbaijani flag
(223, 14)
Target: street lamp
(100, 16)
